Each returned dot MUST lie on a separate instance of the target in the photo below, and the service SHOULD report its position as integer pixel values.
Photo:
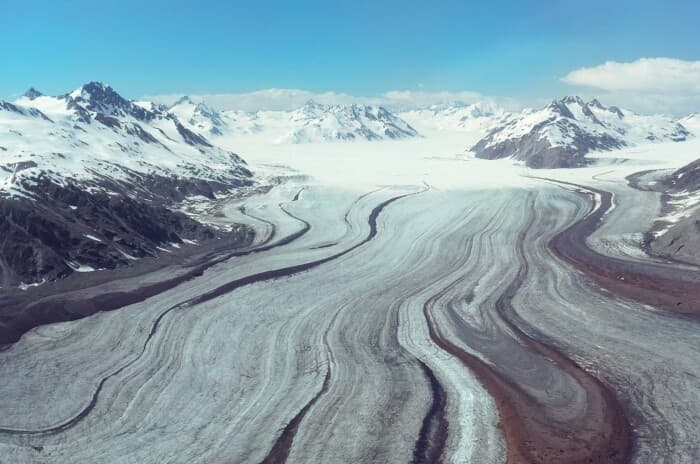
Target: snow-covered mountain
(561, 133)
(86, 178)
(455, 117)
(312, 123)
(199, 116)
(692, 123)
(206, 120)
(95, 137)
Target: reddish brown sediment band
(602, 436)
(662, 286)
(532, 433)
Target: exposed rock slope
(563, 132)
(677, 234)
(86, 178)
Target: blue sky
(506, 48)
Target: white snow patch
(24, 287)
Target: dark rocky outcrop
(64, 227)
(681, 239)
(190, 137)
(7, 106)
(563, 132)
(685, 179)
(56, 219)
(101, 98)
(32, 93)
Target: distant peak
(617, 111)
(569, 99)
(101, 98)
(95, 85)
(559, 107)
(595, 103)
(202, 106)
(94, 90)
(32, 93)
(311, 103)
(183, 99)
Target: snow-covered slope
(466, 122)
(98, 139)
(199, 116)
(561, 133)
(85, 179)
(312, 123)
(206, 120)
(692, 123)
(319, 123)
(455, 117)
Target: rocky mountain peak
(313, 106)
(560, 107)
(595, 103)
(95, 91)
(182, 100)
(573, 99)
(32, 93)
(101, 98)
(565, 130)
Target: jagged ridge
(86, 179)
(564, 131)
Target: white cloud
(646, 85)
(288, 99)
(656, 75)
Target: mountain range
(86, 179)
(91, 180)
(460, 117)
(311, 123)
(560, 134)
(564, 131)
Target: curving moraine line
(655, 284)
(93, 400)
(62, 309)
(433, 432)
(608, 440)
(273, 227)
(346, 218)
(279, 452)
(291, 270)
(221, 290)
(432, 438)
(298, 194)
(532, 435)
